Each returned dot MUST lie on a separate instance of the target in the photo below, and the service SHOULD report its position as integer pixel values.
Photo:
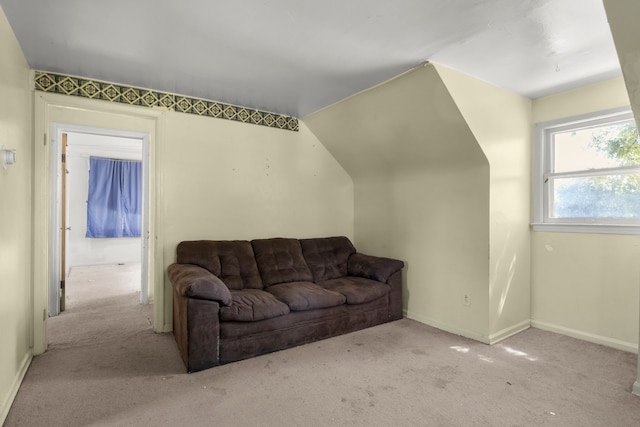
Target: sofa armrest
(372, 267)
(192, 281)
(196, 328)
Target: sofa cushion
(327, 257)
(249, 305)
(194, 281)
(231, 260)
(280, 261)
(357, 290)
(300, 296)
(373, 267)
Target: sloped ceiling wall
(501, 122)
(407, 123)
(623, 17)
(421, 191)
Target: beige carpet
(105, 367)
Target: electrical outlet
(466, 299)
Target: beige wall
(229, 180)
(501, 122)
(218, 179)
(586, 99)
(421, 194)
(586, 285)
(15, 218)
(414, 200)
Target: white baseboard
(509, 332)
(447, 328)
(13, 391)
(491, 339)
(525, 324)
(586, 336)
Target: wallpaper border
(112, 92)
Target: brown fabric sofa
(238, 299)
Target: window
(587, 175)
(115, 201)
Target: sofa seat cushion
(301, 296)
(249, 305)
(357, 290)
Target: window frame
(542, 172)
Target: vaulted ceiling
(294, 57)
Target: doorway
(54, 113)
(76, 250)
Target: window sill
(586, 228)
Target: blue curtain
(114, 205)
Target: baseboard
(586, 336)
(13, 391)
(509, 332)
(525, 324)
(447, 328)
(492, 339)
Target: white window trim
(540, 201)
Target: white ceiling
(294, 57)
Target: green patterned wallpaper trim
(86, 88)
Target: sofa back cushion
(327, 257)
(280, 261)
(231, 260)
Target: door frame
(50, 108)
(56, 228)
